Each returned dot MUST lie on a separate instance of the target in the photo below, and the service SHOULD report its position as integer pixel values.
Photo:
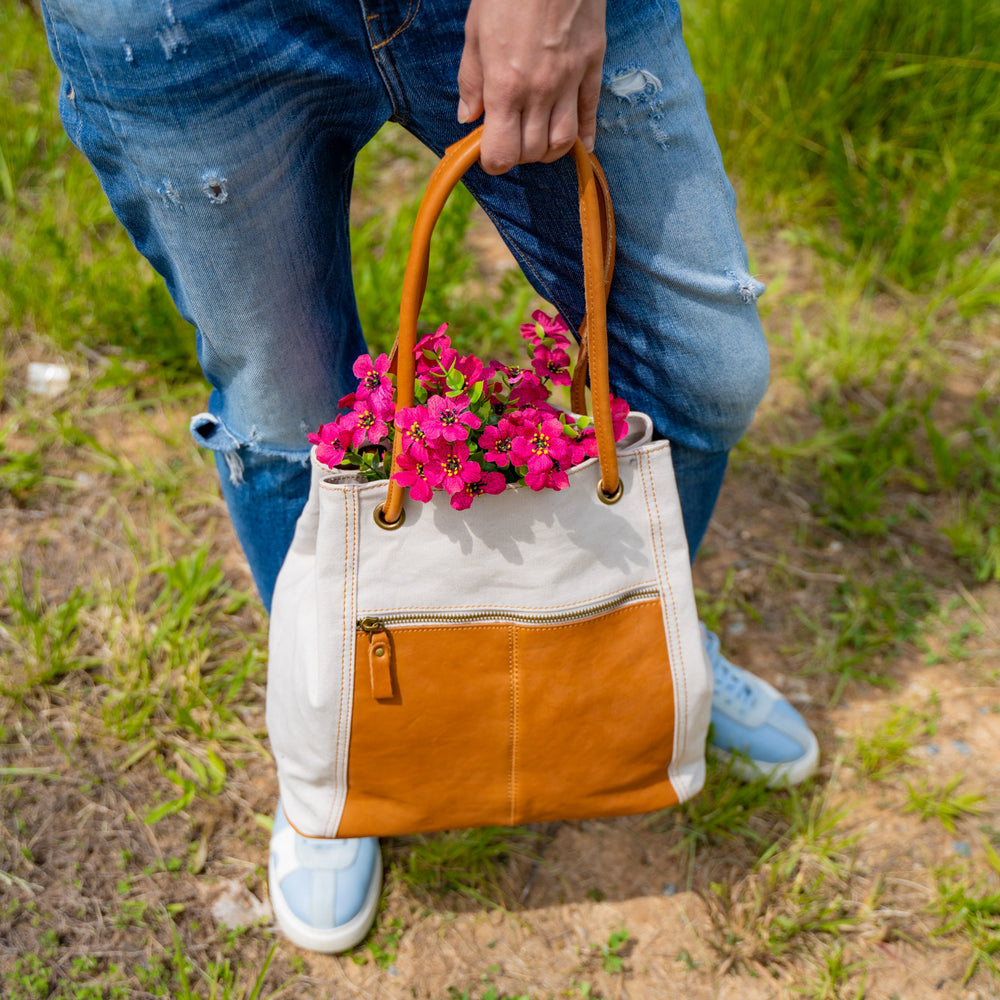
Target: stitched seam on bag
(514, 708)
(450, 627)
(350, 641)
(661, 560)
(338, 743)
(588, 294)
(590, 621)
(347, 648)
(520, 607)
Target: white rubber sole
(785, 775)
(332, 940)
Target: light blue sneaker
(324, 893)
(755, 727)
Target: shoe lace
(732, 685)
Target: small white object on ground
(47, 379)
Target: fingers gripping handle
(457, 159)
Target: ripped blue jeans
(224, 135)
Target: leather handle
(597, 261)
(578, 389)
(578, 397)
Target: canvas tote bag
(535, 657)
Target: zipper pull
(379, 658)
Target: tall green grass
(879, 119)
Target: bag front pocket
(523, 719)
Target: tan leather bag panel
(442, 677)
(480, 768)
(626, 692)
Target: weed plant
(889, 747)
(797, 895)
(470, 864)
(972, 909)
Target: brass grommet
(610, 498)
(388, 525)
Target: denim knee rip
(210, 432)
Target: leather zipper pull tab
(379, 659)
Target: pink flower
(450, 373)
(496, 441)
(552, 364)
(331, 443)
(471, 368)
(434, 342)
(450, 440)
(495, 388)
(554, 326)
(459, 469)
(375, 386)
(429, 353)
(420, 477)
(552, 479)
(449, 418)
(545, 327)
(368, 425)
(409, 422)
(585, 446)
(526, 388)
(532, 333)
(619, 417)
(541, 446)
(433, 368)
(491, 482)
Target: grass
(971, 908)
(944, 803)
(46, 636)
(44, 977)
(470, 864)
(889, 747)
(875, 120)
(796, 895)
(857, 545)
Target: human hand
(533, 67)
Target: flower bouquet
(477, 426)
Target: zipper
(377, 628)
(374, 624)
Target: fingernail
(463, 112)
(588, 143)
